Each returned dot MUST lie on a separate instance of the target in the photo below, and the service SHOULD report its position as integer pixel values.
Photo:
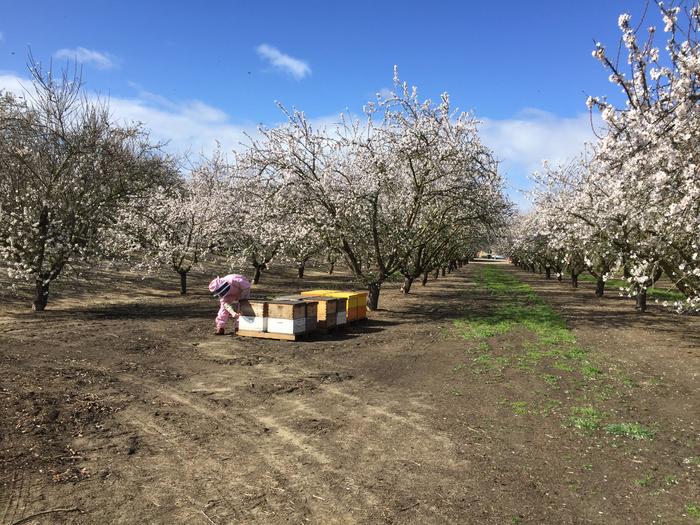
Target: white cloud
(295, 67)
(2, 37)
(522, 143)
(13, 84)
(385, 93)
(190, 126)
(82, 55)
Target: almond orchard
(371, 325)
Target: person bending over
(229, 290)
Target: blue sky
(196, 72)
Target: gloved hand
(231, 309)
(221, 331)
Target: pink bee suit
(229, 290)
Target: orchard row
(630, 207)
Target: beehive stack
(253, 316)
(355, 303)
(327, 310)
(291, 317)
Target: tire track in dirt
(197, 469)
(374, 424)
(18, 499)
(7, 499)
(294, 448)
(202, 474)
(378, 425)
(283, 454)
(282, 459)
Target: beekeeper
(229, 290)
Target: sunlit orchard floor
(489, 396)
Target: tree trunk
(641, 305)
(425, 279)
(599, 287)
(300, 270)
(183, 282)
(331, 267)
(41, 298)
(574, 280)
(373, 296)
(559, 277)
(436, 274)
(406, 286)
(443, 271)
(540, 269)
(547, 272)
(256, 277)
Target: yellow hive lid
(353, 299)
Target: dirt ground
(119, 405)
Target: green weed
(585, 419)
(670, 480)
(589, 371)
(551, 379)
(628, 381)
(629, 430)
(559, 365)
(693, 511)
(549, 406)
(575, 353)
(519, 407)
(654, 293)
(482, 328)
(502, 361)
(645, 481)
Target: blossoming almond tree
(255, 220)
(368, 185)
(66, 169)
(180, 225)
(652, 151)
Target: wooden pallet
(270, 335)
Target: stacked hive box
(355, 302)
(253, 316)
(327, 313)
(291, 317)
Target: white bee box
(286, 326)
(252, 324)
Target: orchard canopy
(406, 189)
